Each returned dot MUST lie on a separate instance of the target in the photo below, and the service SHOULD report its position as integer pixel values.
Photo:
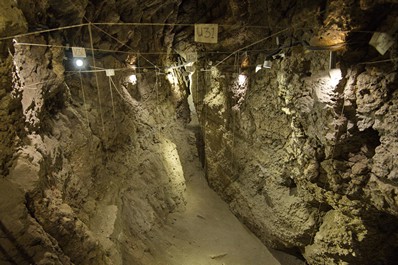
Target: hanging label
(192, 57)
(79, 52)
(110, 72)
(206, 33)
(381, 41)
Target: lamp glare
(133, 79)
(241, 79)
(79, 62)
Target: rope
(197, 86)
(84, 99)
(120, 42)
(104, 70)
(140, 24)
(96, 77)
(42, 31)
(381, 61)
(114, 85)
(117, 90)
(44, 82)
(247, 46)
(204, 123)
(326, 47)
(157, 89)
(66, 47)
(113, 105)
(259, 41)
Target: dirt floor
(207, 233)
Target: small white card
(79, 52)
(381, 41)
(110, 72)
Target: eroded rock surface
(305, 158)
(90, 163)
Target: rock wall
(304, 158)
(95, 163)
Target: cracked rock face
(304, 158)
(90, 163)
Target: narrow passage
(207, 233)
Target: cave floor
(207, 233)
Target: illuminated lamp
(133, 79)
(242, 79)
(79, 62)
(334, 71)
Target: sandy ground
(207, 233)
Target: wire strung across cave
(113, 104)
(138, 24)
(116, 39)
(84, 99)
(96, 78)
(140, 54)
(89, 24)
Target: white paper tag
(206, 33)
(79, 52)
(110, 72)
(381, 41)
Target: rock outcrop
(305, 157)
(90, 162)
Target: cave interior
(200, 132)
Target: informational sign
(206, 33)
(110, 72)
(381, 41)
(79, 52)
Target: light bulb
(133, 79)
(241, 79)
(79, 62)
(335, 76)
